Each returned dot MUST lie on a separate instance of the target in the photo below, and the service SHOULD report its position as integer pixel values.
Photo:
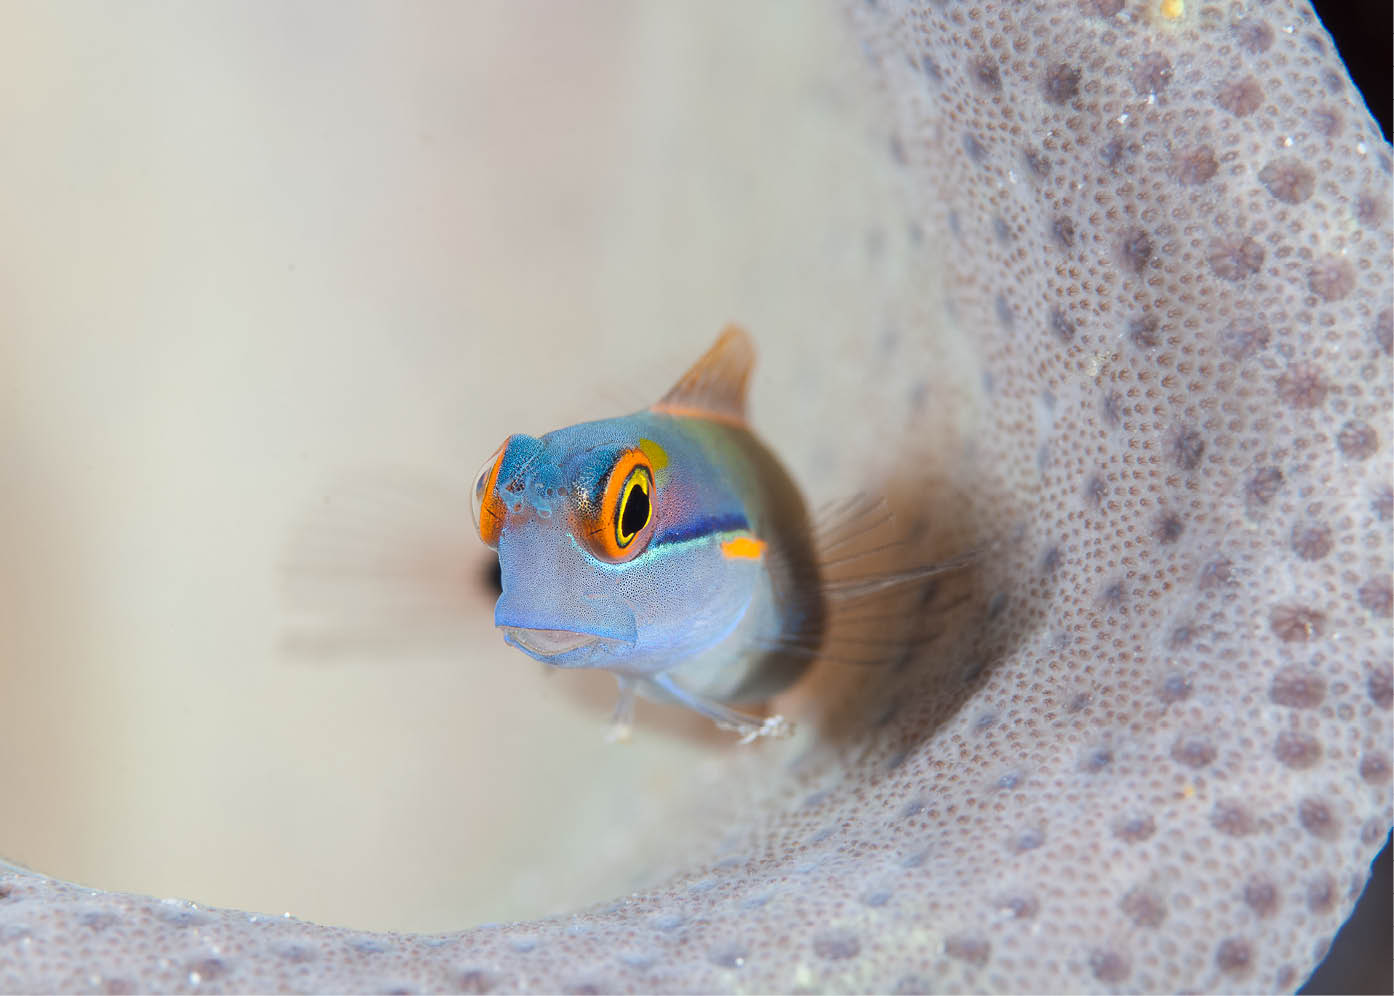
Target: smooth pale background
(247, 248)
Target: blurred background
(251, 252)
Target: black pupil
(635, 514)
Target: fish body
(669, 547)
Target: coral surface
(1151, 748)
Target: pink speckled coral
(1155, 754)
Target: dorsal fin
(715, 386)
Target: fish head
(622, 543)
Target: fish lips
(567, 629)
(564, 647)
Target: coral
(1155, 751)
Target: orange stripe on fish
(743, 548)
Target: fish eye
(635, 508)
(485, 504)
(619, 529)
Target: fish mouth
(547, 643)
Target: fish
(671, 548)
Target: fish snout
(563, 628)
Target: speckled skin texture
(1152, 749)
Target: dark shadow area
(1361, 30)
(1360, 959)
(491, 576)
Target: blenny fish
(669, 547)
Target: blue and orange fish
(669, 547)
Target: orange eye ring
(621, 528)
(485, 502)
